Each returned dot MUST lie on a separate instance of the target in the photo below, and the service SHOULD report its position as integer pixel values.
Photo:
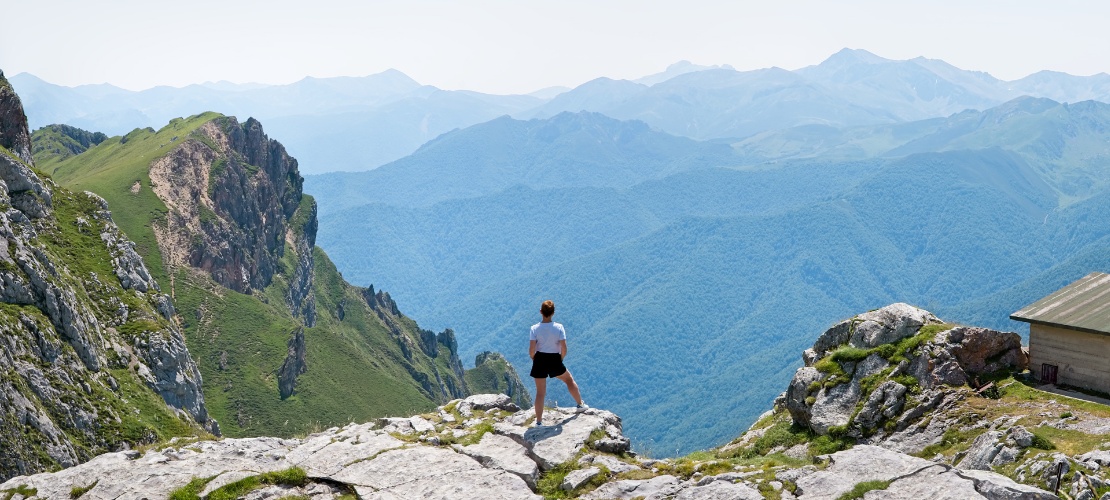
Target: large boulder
(982, 350)
(870, 329)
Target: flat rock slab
(576, 478)
(566, 434)
(856, 465)
(396, 467)
(931, 483)
(719, 490)
(322, 456)
(998, 487)
(157, 473)
(472, 484)
(501, 452)
(656, 488)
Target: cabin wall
(1083, 359)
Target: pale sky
(503, 46)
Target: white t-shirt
(547, 336)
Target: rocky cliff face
(14, 135)
(492, 373)
(83, 325)
(874, 376)
(231, 194)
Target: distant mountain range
(690, 267)
(359, 123)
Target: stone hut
(1069, 334)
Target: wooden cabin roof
(1083, 305)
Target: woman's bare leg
(568, 379)
(541, 392)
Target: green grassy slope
(55, 143)
(356, 366)
(111, 169)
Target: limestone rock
(500, 452)
(486, 402)
(884, 403)
(982, 350)
(998, 487)
(612, 463)
(856, 465)
(888, 325)
(14, 133)
(427, 472)
(576, 478)
(294, 364)
(656, 488)
(798, 391)
(719, 490)
(982, 452)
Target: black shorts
(547, 364)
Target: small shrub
(549, 482)
(932, 330)
(810, 400)
(829, 366)
(1066, 414)
(849, 353)
(79, 491)
(1041, 443)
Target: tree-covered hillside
(676, 288)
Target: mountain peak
(677, 69)
(853, 56)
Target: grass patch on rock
(860, 489)
(294, 476)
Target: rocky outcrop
(14, 134)
(865, 371)
(231, 194)
(493, 373)
(908, 477)
(83, 330)
(302, 240)
(448, 378)
(294, 364)
(25, 191)
(442, 456)
(452, 453)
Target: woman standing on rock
(548, 348)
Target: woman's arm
(563, 349)
(532, 349)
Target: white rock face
(650, 489)
(579, 477)
(719, 490)
(501, 452)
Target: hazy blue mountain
(362, 140)
(342, 123)
(359, 123)
(570, 149)
(676, 69)
(1064, 142)
(910, 90)
(716, 103)
(1064, 87)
